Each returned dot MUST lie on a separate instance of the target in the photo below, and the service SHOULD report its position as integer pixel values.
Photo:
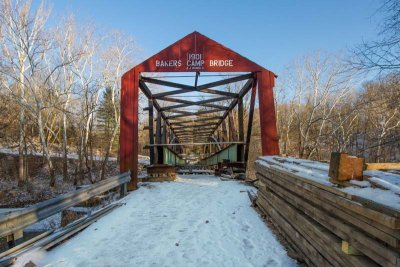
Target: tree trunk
(46, 149)
(65, 147)
(108, 151)
(21, 155)
(80, 157)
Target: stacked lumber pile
(324, 224)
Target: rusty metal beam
(240, 148)
(208, 132)
(250, 122)
(201, 88)
(181, 112)
(196, 79)
(194, 104)
(158, 139)
(247, 86)
(193, 132)
(187, 103)
(193, 144)
(193, 114)
(151, 131)
(145, 89)
(226, 81)
(175, 121)
(167, 83)
(193, 126)
(209, 91)
(205, 131)
(205, 101)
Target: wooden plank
(382, 166)
(384, 216)
(380, 231)
(343, 167)
(293, 236)
(328, 243)
(279, 171)
(305, 257)
(371, 205)
(388, 236)
(349, 249)
(372, 248)
(299, 256)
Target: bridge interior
(199, 118)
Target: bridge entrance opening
(196, 113)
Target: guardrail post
(15, 238)
(123, 190)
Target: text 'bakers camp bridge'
(193, 107)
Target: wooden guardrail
(15, 221)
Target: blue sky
(271, 33)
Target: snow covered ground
(195, 221)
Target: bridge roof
(197, 52)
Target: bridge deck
(195, 221)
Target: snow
(197, 220)
(360, 183)
(385, 197)
(385, 184)
(388, 177)
(318, 172)
(312, 170)
(52, 222)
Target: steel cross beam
(193, 144)
(248, 85)
(207, 131)
(245, 89)
(201, 88)
(191, 137)
(193, 114)
(209, 91)
(187, 103)
(174, 121)
(193, 126)
(178, 131)
(226, 81)
(181, 112)
(149, 95)
(194, 132)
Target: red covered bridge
(179, 129)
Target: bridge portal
(194, 121)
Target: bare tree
(382, 54)
(318, 84)
(87, 89)
(21, 47)
(116, 59)
(381, 103)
